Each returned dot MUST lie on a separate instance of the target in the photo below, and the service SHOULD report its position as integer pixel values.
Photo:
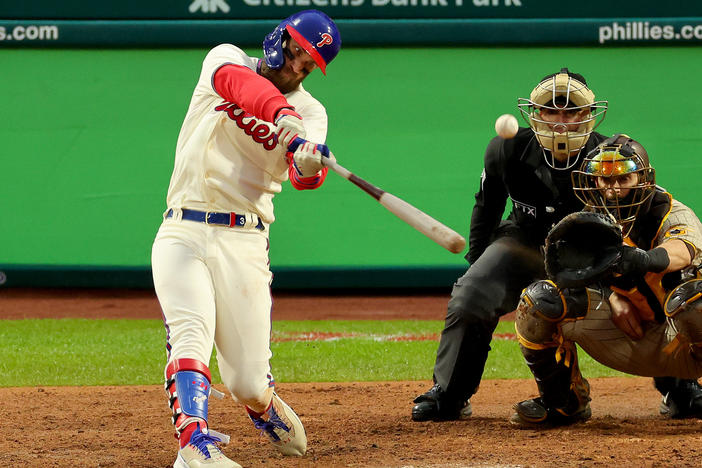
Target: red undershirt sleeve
(258, 96)
(250, 91)
(306, 183)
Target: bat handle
(336, 167)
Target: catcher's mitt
(582, 249)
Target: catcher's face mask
(616, 179)
(562, 112)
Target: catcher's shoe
(534, 413)
(434, 405)
(283, 427)
(202, 451)
(683, 401)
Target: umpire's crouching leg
(489, 289)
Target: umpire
(533, 170)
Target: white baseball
(506, 126)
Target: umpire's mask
(555, 94)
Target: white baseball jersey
(213, 281)
(227, 160)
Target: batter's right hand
(289, 126)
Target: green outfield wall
(458, 31)
(88, 137)
(199, 23)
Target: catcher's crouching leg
(683, 307)
(682, 398)
(188, 390)
(564, 393)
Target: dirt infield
(116, 303)
(348, 424)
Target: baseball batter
(210, 256)
(646, 319)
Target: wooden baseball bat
(422, 222)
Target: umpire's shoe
(434, 405)
(534, 413)
(684, 400)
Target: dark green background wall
(88, 137)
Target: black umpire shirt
(541, 196)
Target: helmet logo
(326, 39)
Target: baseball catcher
(623, 283)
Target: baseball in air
(506, 126)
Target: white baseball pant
(213, 284)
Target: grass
(132, 352)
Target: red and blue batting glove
(307, 157)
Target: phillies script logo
(326, 39)
(253, 128)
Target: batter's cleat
(533, 413)
(434, 405)
(202, 451)
(283, 427)
(683, 401)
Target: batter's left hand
(289, 127)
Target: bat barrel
(433, 229)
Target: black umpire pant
(488, 290)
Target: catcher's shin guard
(564, 393)
(552, 361)
(188, 389)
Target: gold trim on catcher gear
(541, 418)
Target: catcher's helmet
(617, 156)
(556, 92)
(313, 30)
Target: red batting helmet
(313, 30)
